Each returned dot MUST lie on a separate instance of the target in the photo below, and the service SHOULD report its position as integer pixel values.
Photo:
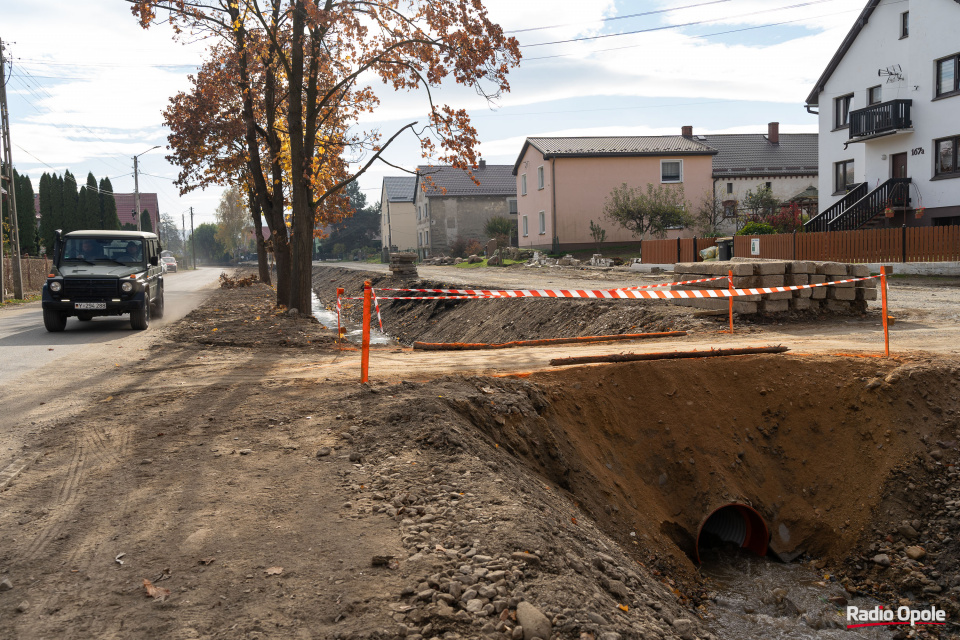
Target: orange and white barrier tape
(493, 293)
(623, 294)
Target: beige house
(449, 205)
(398, 219)
(563, 183)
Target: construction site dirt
(263, 493)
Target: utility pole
(11, 187)
(193, 241)
(136, 185)
(183, 225)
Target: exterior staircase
(860, 209)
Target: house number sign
(917, 152)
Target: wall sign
(917, 152)
(754, 246)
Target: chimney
(687, 131)
(773, 132)
(483, 163)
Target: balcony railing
(879, 119)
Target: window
(543, 223)
(843, 176)
(729, 208)
(426, 238)
(947, 75)
(873, 95)
(729, 187)
(841, 111)
(945, 157)
(539, 177)
(526, 230)
(512, 205)
(671, 171)
(419, 238)
(523, 184)
(904, 24)
(769, 185)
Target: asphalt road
(42, 372)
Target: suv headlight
(56, 286)
(127, 287)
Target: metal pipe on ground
(671, 355)
(736, 523)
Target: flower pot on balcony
(888, 212)
(918, 213)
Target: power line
(674, 26)
(612, 18)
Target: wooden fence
(33, 272)
(906, 244)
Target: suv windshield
(120, 250)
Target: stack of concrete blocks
(404, 265)
(753, 273)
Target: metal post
(11, 188)
(730, 284)
(183, 225)
(884, 271)
(365, 345)
(193, 241)
(903, 243)
(339, 330)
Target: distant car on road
(169, 264)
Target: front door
(899, 165)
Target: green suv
(104, 273)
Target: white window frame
(523, 184)
(540, 181)
(512, 202)
(543, 223)
(526, 228)
(677, 160)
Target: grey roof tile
(751, 154)
(494, 179)
(400, 188)
(618, 145)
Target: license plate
(89, 305)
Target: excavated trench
(787, 457)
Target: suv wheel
(54, 320)
(140, 319)
(157, 310)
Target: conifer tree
(71, 204)
(47, 222)
(108, 206)
(26, 215)
(90, 204)
(145, 223)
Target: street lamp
(136, 183)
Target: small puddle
(354, 334)
(761, 599)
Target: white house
(889, 111)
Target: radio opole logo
(883, 616)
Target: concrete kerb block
(700, 268)
(780, 295)
(803, 293)
(831, 268)
(858, 270)
(801, 304)
(841, 285)
(774, 306)
(770, 268)
(801, 266)
(866, 294)
(744, 307)
(836, 293)
(819, 293)
(817, 278)
(841, 306)
(796, 279)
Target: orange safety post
(365, 344)
(339, 331)
(883, 295)
(730, 283)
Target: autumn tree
(297, 69)
(232, 217)
(651, 211)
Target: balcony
(884, 119)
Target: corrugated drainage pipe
(736, 523)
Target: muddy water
(328, 318)
(761, 599)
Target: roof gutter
(816, 113)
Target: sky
(88, 86)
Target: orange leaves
(157, 593)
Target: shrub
(473, 248)
(756, 229)
(458, 248)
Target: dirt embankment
(275, 502)
(503, 320)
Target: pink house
(563, 183)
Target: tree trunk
(300, 194)
(258, 235)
